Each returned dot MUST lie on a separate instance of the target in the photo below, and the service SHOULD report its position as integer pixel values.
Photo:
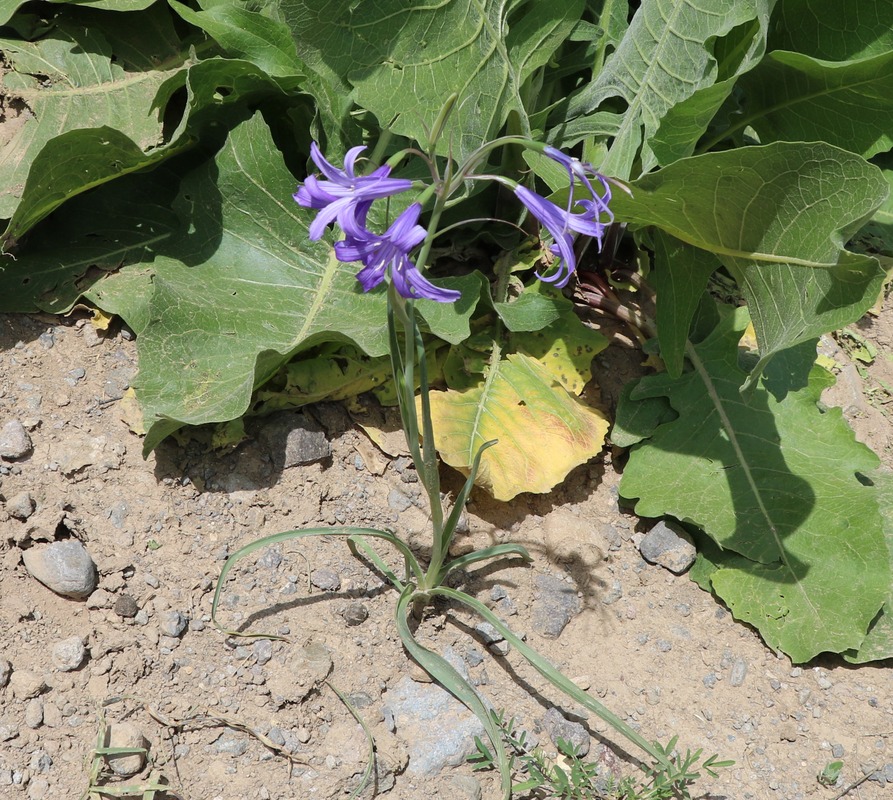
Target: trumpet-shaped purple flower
(338, 197)
(564, 223)
(582, 171)
(389, 252)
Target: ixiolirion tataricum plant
(394, 259)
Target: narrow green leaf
(775, 484)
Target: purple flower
(389, 251)
(582, 170)
(338, 197)
(563, 224)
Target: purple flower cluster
(344, 197)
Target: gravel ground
(133, 550)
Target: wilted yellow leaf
(543, 430)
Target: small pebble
(355, 614)
(172, 623)
(670, 546)
(837, 750)
(325, 579)
(263, 651)
(5, 672)
(397, 501)
(34, 713)
(231, 745)
(126, 734)
(125, 606)
(26, 684)
(20, 506)
(69, 654)
(14, 440)
(738, 673)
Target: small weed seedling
(568, 777)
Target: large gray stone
(65, 567)
(670, 546)
(292, 439)
(556, 605)
(14, 440)
(438, 730)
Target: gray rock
(69, 654)
(560, 728)
(26, 684)
(437, 729)
(5, 672)
(173, 624)
(14, 440)
(556, 605)
(613, 594)
(20, 506)
(738, 673)
(65, 567)
(355, 614)
(669, 546)
(126, 734)
(231, 744)
(326, 580)
(263, 651)
(293, 439)
(397, 501)
(34, 713)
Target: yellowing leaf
(100, 320)
(543, 430)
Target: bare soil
(221, 715)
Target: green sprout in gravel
(395, 258)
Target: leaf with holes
(777, 484)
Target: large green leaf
(878, 642)
(247, 35)
(666, 56)
(832, 30)
(402, 60)
(519, 402)
(793, 97)
(777, 217)
(776, 484)
(217, 90)
(679, 279)
(84, 76)
(685, 122)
